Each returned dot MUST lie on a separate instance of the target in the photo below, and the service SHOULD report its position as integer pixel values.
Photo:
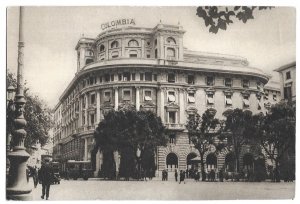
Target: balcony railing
(175, 126)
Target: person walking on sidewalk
(176, 175)
(46, 176)
(181, 177)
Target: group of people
(44, 176)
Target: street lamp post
(138, 155)
(18, 187)
(9, 115)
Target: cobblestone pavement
(165, 190)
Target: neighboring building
(288, 81)
(272, 94)
(149, 69)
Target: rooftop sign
(115, 23)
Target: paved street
(165, 190)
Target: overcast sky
(51, 34)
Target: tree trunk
(277, 173)
(202, 167)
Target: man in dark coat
(181, 176)
(46, 176)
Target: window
(172, 117)
(209, 80)
(246, 101)
(88, 61)
(126, 76)
(155, 77)
(228, 100)
(141, 76)
(171, 96)
(228, 82)
(191, 98)
(83, 102)
(115, 54)
(172, 138)
(171, 41)
(245, 83)
(266, 97)
(191, 79)
(107, 96)
(112, 77)
(155, 42)
(148, 76)
(258, 85)
(274, 97)
(155, 53)
(114, 44)
(133, 54)
(288, 75)
(148, 55)
(133, 76)
(93, 99)
(133, 43)
(101, 79)
(120, 77)
(170, 53)
(148, 96)
(102, 48)
(92, 80)
(106, 77)
(210, 99)
(92, 116)
(126, 95)
(287, 92)
(171, 77)
(83, 120)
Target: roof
(286, 66)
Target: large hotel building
(150, 69)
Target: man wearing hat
(46, 176)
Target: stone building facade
(149, 69)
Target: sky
(51, 34)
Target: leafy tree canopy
(220, 17)
(36, 113)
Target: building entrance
(172, 162)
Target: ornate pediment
(210, 91)
(228, 92)
(245, 93)
(191, 110)
(172, 107)
(126, 105)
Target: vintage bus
(79, 169)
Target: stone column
(86, 107)
(181, 106)
(85, 149)
(116, 98)
(161, 105)
(137, 98)
(98, 107)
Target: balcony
(174, 126)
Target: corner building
(149, 69)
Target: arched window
(133, 43)
(172, 161)
(170, 52)
(102, 48)
(189, 162)
(114, 44)
(171, 41)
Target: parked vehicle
(79, 169)
(56, 169)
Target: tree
(201, 132)
(37, 115)
(220, 17)
(127, 130)
(237, 126)
(276, 133)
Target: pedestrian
(166, 175)
(46, 176)
(35, 176)
(221, 176)
(27, 174)
(176, 175)
(181, 177)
